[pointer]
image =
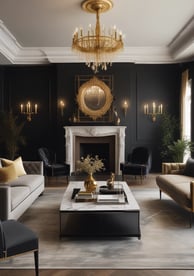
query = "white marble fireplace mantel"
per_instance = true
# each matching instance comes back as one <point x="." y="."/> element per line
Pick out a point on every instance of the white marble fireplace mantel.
<point x="95" y="131"/>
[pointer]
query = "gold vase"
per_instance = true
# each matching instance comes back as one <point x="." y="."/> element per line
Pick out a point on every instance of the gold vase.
<point x="90" y="183"/>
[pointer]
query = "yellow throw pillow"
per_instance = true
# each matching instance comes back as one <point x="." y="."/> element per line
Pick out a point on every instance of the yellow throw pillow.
<point x="8" y="173"/>
<point x="17" y="163"/>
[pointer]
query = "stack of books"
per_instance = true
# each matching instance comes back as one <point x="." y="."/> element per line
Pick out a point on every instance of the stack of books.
<point x="111" y="198"/>
<point x="82" y="196"/>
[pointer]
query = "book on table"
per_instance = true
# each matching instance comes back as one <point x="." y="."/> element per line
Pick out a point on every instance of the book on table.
<point x="111" y="198"/>
<point x="84" y="196"/>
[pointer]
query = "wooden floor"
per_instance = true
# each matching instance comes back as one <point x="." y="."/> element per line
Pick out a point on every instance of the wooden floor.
<point x="148" y="182"/>
<point x="99" y="272"/>
<point x="61" y="181"/>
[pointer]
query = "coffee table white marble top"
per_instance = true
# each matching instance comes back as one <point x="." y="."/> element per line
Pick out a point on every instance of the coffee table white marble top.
<point x="69" y="205"/>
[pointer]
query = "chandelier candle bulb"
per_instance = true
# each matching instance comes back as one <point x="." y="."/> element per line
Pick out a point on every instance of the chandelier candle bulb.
<point x="81" y="32"/>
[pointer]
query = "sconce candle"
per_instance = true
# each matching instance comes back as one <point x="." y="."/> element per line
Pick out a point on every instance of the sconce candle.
<point x="125" y="107"/>
<point x="36" y="108"/>
<point x="160" y="109"/>
<point x="154" y="108"/>
<point x="62" y="105"/>
<point x="146" y="110"/>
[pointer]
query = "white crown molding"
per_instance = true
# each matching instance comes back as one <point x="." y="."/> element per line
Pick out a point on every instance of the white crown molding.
<point x="30" y="55"/>
<point x="182" y="45"/>
<point x="130" y="54"/>
<point x="180" y="49"/>
<point x="17" y="54"/>
<point x="8" y="44"/>
<point x="146" y="55"/>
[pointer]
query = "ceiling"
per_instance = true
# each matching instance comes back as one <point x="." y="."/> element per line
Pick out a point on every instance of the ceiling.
<point x="40" y="31"/>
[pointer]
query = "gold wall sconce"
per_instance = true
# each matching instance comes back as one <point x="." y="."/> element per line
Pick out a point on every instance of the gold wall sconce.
<point x="29" y="110"/>
<point x="62" y="107"/>
<point x="153" y="111"/>
<point x="125" y="107"/>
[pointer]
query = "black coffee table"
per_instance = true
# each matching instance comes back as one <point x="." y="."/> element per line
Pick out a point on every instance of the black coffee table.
<point x="99" y="219"/>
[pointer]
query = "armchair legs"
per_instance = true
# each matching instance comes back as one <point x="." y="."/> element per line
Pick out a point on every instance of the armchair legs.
<point x="36" y="262"/>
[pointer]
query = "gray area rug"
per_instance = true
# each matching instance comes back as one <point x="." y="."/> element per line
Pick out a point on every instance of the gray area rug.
<point x="167" y="242"/>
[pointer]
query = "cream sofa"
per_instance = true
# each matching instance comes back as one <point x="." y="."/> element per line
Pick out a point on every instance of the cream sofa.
<point x="177" y="181"/>
<point x="17" y="195"/>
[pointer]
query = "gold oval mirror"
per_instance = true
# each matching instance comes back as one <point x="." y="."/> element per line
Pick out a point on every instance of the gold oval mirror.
<point x="94" y="98"/>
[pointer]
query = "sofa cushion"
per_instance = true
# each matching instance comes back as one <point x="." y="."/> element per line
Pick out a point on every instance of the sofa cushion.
<point x="8" y="174"/>
<point x="18" y="194"/>
<point x="189" y="167"/>
<point x="17" y="163"/>
<point x="32" y="181"/>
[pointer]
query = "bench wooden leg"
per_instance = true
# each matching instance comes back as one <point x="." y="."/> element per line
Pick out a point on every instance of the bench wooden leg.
<point x="160" y="194"/>
<point x="191" y="219"/>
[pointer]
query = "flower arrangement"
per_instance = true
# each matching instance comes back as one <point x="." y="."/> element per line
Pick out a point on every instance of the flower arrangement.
<point x="90" y="164"/>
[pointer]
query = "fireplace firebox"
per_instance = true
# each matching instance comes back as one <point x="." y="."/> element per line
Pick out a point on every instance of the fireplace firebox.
<point x="104" y="147"/>
<point x="108" y="142"/>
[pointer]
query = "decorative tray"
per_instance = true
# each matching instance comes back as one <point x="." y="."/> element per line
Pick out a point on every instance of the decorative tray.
<point x="111" y="198"/>
<point x="106" y="190"/>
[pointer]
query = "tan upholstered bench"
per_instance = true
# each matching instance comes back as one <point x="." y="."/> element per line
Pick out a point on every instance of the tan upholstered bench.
<point x="177" y="182"/>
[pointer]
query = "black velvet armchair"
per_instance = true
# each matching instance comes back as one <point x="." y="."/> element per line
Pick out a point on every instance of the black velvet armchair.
<point x="139" y="163"/>
<point x="15" y="239"/>
<point x="51" y="166"/>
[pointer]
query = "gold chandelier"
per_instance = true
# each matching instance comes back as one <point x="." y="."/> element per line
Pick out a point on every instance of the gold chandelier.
<point x="96" y="47"/>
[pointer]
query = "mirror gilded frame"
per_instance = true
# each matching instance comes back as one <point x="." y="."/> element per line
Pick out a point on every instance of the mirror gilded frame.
<point x="94" y="98"/>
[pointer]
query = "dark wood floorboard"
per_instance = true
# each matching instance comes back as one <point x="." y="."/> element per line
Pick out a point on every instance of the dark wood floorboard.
<point x="99" y="272"/>
<point x="147" y="182"/>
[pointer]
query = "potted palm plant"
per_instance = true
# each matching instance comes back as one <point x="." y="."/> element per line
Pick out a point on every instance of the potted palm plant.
<point x="169" y="132"/>
<point x="11" y="134"/>
<point x="179" y="148"/>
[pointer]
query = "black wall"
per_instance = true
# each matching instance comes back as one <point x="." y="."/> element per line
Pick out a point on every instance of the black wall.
<point x="46" y="84"/>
